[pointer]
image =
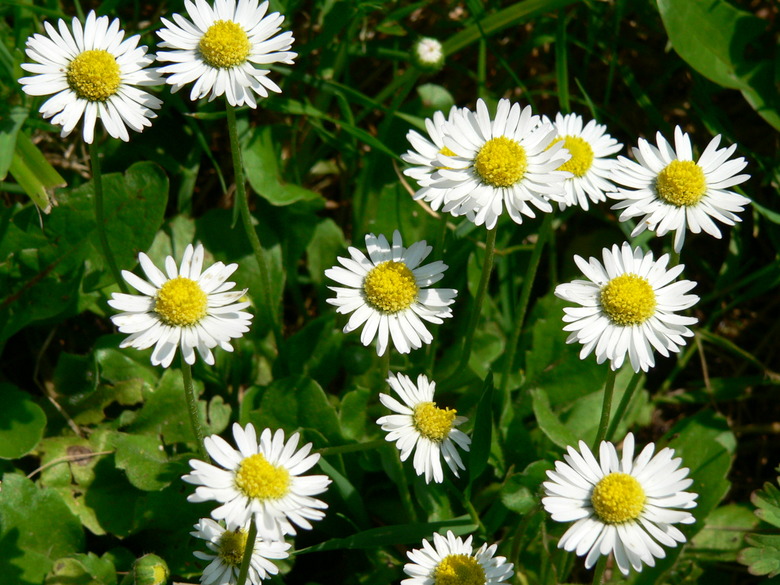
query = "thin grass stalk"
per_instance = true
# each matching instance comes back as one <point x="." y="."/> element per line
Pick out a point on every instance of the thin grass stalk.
<point x="97" y="182"/>
<point x="249" y="228"/>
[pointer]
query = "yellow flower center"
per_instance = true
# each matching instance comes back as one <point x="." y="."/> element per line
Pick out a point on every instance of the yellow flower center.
<point x="390" y="287"/>
<point x="224" y="45"/>
<point x="94" y="75"/>
<point x="581" y="155"/>
<point x="433" y="423"/>
<point x="260" y="480"/>
<point x="459" y="570"/>
<point x="231" y="547"/>
<point x="501" y="162"/>
<point x="617" y="498"/>
<point x="181" y="302"/>
<point x="681" y="183"/>
<point x="628" y="299"/>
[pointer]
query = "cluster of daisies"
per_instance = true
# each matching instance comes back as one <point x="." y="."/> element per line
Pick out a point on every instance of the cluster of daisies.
<point x="92" y="71"/>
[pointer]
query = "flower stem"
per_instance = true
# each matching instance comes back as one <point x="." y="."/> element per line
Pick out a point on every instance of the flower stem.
<point x="525" y="294"/>
<point x="598" y="573"/>
<point x="249" y="228"/>
<point x="606" y="407"/>
<point x="353" y="448"/>
<point x="192" y="408"/>
<point x="97" y="182"/>
<point x="623" y="406"/>
<point x="487" y="267"/>
<point x="250" y="546"/>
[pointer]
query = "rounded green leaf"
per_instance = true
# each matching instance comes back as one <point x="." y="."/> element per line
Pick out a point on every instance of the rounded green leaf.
<point x="21" y="422"/>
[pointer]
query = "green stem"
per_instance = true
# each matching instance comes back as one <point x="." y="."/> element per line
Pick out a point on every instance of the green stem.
<point x="249" y="228"/>
<point x="487" y="267"/>
<point x="623" y="406"/>
<point x="474" y="515"/>
<point x="192" y="408"/>
<point x="341" y="449"/>
<point x="525" y="294"/>
<point x="250" y="546"/>
<point x="97" y="182"/>
<point x="606" y="407"/>
<point x="598" y="573"/>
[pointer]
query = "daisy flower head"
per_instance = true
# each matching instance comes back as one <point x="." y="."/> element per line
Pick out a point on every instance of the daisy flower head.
<point x="261" y="481"/>
<point x="590" y="164"/>
<point x="628" y="305"/>
<point x="387" y="293"/>
<point x="453" y="561"/>
<point x="226" y="551"/>
<point x="224" y="49"/>
<point x="428" y="54"/>
<point x="91" y="72"/>
<point x="425" y="157"/>
<point x="508" y="161"/>
<point x="627" y="506"/>
<point x="183" y="307"/>
<point x="420" y="426"/>
<point x="672" y="192"/>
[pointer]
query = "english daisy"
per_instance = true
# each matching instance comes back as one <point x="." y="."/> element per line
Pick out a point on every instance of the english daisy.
<point x="590" y="164"/>
<point x="508" y="161"/>
<point x="451" y="560"/>
<point x="425" y="157"/>
<point x="624" y="506"/>
<point x="628" y="306"/>
<point x="182" y="307"/>
<point x="91" y="73"/>
<point x="226" y="548"/>
<point x="387" y="293"/>
<point x="422" y="427"/>
<point x="672" y="192"/>
<point x="224" y="49"/>
<point x="428" y="54"/>
<point x="260" y="481"/>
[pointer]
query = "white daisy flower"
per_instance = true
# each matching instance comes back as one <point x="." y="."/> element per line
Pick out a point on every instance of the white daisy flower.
<point x="671" y="192"/>
<point x="261" y="481"/>
<point x="428" y="54"/>
<point x="425" y="157"/>
<point x="181" y="307"/>
<point x="451" y="560"/>
<point x="628" y="306"/>
<point x="422" y="427"/>
<point x="624" y="506"/>
<point x="224" y="50"/>
<point x="590" y="163"/>
<point x="508" y="161"/>
<point x="227" y="551"/>
<point x="387" y="293"/>
<point x="91" y="73"/>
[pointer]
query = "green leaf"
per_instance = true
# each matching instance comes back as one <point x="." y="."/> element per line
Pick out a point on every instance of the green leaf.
<point x="315" y="349"/>
<point x="143" y="459"/>
<point x="326" y="243"/>
<point x="520" y="493"/>
<point x="21" y="422"/>
<point x="34" y="173"/>
<point x="481" y="436"/>
<point x="434" y="98"/>
<point x="548" y="422"/>
<point x="86" y="569"/>
<point x="11" y="120"/>
<point x="723" y="532"/>
<point x="353" y="415"/>
<point x="296" y="403"/>
<point x="763" y="556"/>
<point x="767" y="502"/>
<point x="261" y="155"/>
<point x="36" y="528"/>
<point x="351" y="496"/>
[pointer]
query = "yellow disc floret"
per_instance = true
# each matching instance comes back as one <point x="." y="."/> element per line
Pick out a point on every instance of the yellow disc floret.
<point x="459" y="570"/>
<point x="231" y="547"/>
<point x="581" y="155"/>
<point x="260" y="480"/>
<point x="224" y="45"/>
<point x="628" y="299"/>
<point x="501" y="162"/>
<point x="682" y="182"/>
<point x="390" y="287"/>
<point x="433" y="423"/>
<point x="181" y="302"/>
<point x="618" y="498"/>
<point x="94" y="75"/>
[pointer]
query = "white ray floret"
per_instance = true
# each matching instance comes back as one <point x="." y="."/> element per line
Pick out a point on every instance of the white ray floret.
<point x="624" y="505"/>
<point x="185" y="307"/>
<point x="91" y="72"/>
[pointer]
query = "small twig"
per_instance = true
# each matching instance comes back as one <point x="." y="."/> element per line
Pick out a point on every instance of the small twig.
<point x="67" y="459"/>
